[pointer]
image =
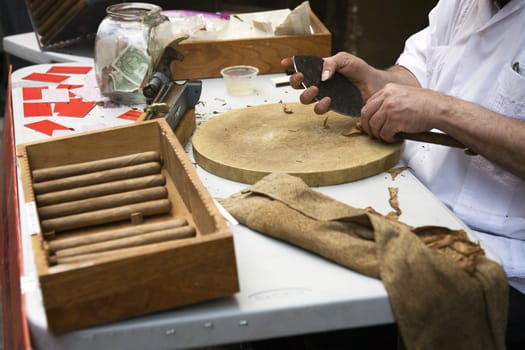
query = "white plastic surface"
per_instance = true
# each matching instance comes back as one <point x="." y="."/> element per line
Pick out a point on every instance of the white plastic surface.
<point x="26" y="46"/>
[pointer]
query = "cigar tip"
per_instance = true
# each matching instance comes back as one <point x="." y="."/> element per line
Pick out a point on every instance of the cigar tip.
<point x="52" y="260"/>
<point x="48" y="234"/>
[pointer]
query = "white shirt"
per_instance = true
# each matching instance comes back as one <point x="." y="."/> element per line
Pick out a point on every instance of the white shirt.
<point x="468" y="51"/>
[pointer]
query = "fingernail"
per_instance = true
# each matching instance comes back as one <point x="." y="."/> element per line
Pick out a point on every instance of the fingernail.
<point x="325" y="75"/>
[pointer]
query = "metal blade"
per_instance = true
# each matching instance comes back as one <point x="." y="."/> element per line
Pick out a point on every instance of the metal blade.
<point x="346" y="97"/>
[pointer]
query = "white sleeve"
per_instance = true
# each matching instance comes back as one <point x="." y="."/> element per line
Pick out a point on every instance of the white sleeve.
<point x="509" y="251"/>
<point x="414" y="57"/>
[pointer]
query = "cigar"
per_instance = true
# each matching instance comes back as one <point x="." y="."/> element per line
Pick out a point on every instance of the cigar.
<point x="102" y="202"/>
<point x="62" y="171"/>
<point x="97" y="178"/>
<point x="127" y="242"/>
<point x="104" y="216"/>
<point x="100" y="189"/>
<point x="76" y="241"/>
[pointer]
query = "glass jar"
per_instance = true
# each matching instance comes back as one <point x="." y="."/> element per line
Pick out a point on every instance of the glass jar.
<point x="129" y="41"/>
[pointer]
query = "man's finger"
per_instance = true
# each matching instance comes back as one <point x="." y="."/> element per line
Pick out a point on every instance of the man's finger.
<point x="296" y="80"/>
<point x="323" y="105"/>
<point x="308" y="96"/>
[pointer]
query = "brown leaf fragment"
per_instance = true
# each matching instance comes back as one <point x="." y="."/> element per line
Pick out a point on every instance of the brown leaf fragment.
<point x="287" y="109"/>
<point x="394" y="203"/>
<point x="396" y="171"/>
<point x="355" y="130"/>
<point x="455" y="245"/>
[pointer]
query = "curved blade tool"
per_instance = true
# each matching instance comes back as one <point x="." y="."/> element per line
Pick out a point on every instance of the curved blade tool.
<point x="346" y="97"/>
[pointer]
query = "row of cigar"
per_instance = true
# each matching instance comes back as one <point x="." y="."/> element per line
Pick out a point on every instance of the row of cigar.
<point x="50" y="15"/>
<point x="117" y="242"/>
<point x="82" y="195"/>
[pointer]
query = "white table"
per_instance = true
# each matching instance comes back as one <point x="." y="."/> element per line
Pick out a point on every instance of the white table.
<point x="26" y="46"/>
<point x="283" y="290"/>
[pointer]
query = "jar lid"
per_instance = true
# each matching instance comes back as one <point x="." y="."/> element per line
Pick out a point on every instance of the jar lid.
<point x="133" y="11"/>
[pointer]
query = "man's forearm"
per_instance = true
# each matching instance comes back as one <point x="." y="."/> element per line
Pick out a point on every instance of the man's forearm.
<point x="400" y="75"/>
<point x="496" y="137"/>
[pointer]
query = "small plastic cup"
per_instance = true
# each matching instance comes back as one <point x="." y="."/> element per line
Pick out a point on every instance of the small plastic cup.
<point x="240" y="80"/>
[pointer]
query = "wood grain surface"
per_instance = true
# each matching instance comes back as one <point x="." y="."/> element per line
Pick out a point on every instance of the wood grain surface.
<point x="246" y="144"/>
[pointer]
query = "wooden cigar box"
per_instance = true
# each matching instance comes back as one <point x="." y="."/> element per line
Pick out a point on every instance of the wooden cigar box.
<point x="205" y="59"/>
<point x="66" y="25"/>
<point x="128" y="280"/>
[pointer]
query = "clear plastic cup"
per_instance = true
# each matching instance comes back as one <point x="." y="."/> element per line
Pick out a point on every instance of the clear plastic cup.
<point x="240" y="80"/>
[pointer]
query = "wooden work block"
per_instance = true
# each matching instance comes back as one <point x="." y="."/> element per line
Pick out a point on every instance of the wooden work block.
<point x="290" y="138"/>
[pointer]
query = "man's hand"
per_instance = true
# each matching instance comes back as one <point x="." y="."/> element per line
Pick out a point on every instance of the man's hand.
<point x="309" y="94"/>
<point x="400" y="108"/>
<point x="395" y="102"/>
<point x="367" y="79"/>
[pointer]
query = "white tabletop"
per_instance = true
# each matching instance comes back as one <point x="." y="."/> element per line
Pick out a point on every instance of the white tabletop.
<point x="284" y="290"/>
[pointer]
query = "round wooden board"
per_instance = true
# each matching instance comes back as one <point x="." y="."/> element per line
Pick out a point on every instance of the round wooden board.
<point x="246" y="144"/>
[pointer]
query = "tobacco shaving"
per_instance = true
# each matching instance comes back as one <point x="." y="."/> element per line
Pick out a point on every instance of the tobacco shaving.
<point x="238" y="18"/>
<point x="325" y="123"/>
<point x="394" y="203"/>
<point x="355" y="130"/>
<point x="287" y="109"/>
<point x="454" y="244"/>
<point x="396" y="171"/>
<point x="201" y="27"/>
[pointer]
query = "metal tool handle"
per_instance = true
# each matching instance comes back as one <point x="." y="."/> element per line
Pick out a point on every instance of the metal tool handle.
<point x="432" y="137"/>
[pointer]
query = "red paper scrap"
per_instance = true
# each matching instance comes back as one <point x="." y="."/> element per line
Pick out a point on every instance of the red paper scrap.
<point x="32" y="93"/>
<point x="47" y="127"/>
<point x="37" y="109"/>
<point x="69" y="69"/>
<point x="74" y="108"/>
<point x="132" y="114"/>
<point x="69" y="86"/>
<point x="51" y="78"/>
